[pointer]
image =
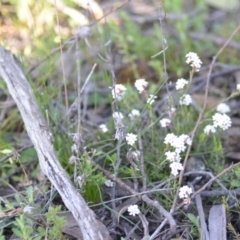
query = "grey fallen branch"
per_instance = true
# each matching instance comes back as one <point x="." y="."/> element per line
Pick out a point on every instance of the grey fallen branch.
<point x="41" y="137"/>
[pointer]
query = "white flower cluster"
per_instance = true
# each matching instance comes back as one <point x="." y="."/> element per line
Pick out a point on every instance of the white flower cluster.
<point x="221" y="120"/>
<point x="194" y="61"/>
<point x="141" y="85"/>
<point x="134" y="114"/>
<point x="28" y="209"/>
<point x="131" y="139"/>
<point x="103" y="128"/>
<point x="179" y="144"/>
<point x="133" y="210"/>
<point x="180" y="84"/>
<point x="165" y="122"/>
<point x="185" y="192"/>
<point x="209" y="129"/>
<point x="223" y="108"/>
<point x="118" y="92"/>
<point x="185" y="99"/>
<point x="109" y="183"/>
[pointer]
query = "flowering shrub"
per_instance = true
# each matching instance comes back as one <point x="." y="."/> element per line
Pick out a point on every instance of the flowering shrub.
<point x="147" y="151"/>
<point x="133" y="210"/>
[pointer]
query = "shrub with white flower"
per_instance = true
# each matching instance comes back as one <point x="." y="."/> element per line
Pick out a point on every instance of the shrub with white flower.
<point x="134" y="114"/>
<point x="221" y="120"/>
<point x="185" y="192"/>
<point x="118" y="92"/>
<point x="28" y="209"/>
<point x="133" y="210"/>
<point x="181" y="83"/>
<point x="223" y="108"/>
<point x="186" y="139"/>
<point x="173" y="156"/>
<point x="151" y="99"/>
<point x="109" y="183"/>
<point x="103" y="128"/>
<point x="194" y="61"/>
<point x="179" y="144"/>
<point x="209" y="129"/>
<point x="175" y="168"/>
<point x="169" y="139"/>
<point x="141" y="85"/>
<point x="185" y="99"/>
<point x="131" y="139"/>
<point x="165" y="122"/>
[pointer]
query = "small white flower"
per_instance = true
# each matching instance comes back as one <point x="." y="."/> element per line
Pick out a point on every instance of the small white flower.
<point x="118" y="116"/>
<point x="209" y="129"/>
<point x="141" y="85"/>
<point x="131" y="138"/>
<point x="238" y="87"/>
<point x="186" y="139"/>
<point x="223" y="108"/>
<point x="118" y="92"/>
<point x="185" y="100"/>
<point x="178" y="142"/>
<point x="194" y="61"/>
<point x="175" y="167"/>
<point x="151" y="99"/>
<point x="134" y="114"/>
<point x="185" y="192"/>
<point x="133" y="210"/>
<point x="173" y="156"/>
<point x="109" y="183"/>
<point x="180" y="84"/>
<point x="221" y="120"/>
<point x="170" y="138"/>
<point x="179" y="145"/>
<point x="103" y="128"/>
<point x="28" y="209"/>
<point x="165" y="122"/>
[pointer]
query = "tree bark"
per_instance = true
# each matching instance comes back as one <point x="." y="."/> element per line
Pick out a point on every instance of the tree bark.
<point x="41" y="137"/>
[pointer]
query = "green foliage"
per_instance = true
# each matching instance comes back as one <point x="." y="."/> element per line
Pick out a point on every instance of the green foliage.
<point x="134" y="46"/>
<point x="2" y="237"/>
<point x="93" y="180"/>
<point x="24" y="227"/>
<point x="195" y="230"/>
<point x="56" y="223"/>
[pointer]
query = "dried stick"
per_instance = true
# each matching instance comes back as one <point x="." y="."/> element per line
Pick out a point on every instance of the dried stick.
<point x="41" y="138"/>
<point x="198" y="200"/>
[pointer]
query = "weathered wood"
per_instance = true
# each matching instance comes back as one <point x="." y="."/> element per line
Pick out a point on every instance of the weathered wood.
<point x="217" y="222"/>
<point x="41" y="137"/>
